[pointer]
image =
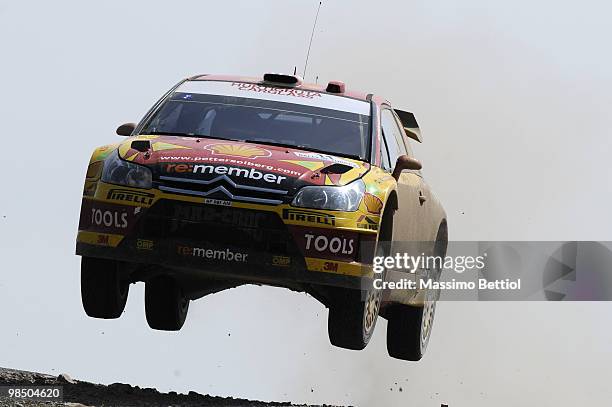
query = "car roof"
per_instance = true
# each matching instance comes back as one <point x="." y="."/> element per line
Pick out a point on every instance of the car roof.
<point x="353" y="94"/>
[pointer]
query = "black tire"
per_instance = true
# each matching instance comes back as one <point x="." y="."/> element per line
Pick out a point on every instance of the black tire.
<point x="407" y="337"/>
<point x="353" y="313"/>
<point x="165" y="305"/>
<point x="103" y="292"/>
<point x="349" y="325"/>
<point x="409" y="327"/>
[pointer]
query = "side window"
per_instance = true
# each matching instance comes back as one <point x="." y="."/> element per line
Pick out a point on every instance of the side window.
<point x="384" y="155"/>
<point x="402" y="139"/>
<point x="408" y="149"/>
<point x="392" y="135"/>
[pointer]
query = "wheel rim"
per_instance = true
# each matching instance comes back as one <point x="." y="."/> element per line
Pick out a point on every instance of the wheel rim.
<point x="429" y="310"/>
<point x="373" y="299"/>
<point x="371" y="306"/>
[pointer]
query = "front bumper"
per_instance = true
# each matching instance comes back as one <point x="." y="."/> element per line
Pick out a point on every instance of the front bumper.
<point x="246" y="242"/>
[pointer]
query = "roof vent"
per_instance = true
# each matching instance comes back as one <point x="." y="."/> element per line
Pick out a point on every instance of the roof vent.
<point x="282" y="79"/>
<point x="335" y="87"/>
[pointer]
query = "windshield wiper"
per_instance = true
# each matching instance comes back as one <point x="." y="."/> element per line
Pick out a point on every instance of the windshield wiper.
<point x="268" y="143"/>
<point x="302" y="147"/>
<point x="171" y="133"/>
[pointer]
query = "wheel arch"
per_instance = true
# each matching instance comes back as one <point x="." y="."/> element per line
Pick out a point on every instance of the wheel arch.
<point x="441" y="243"/>
<point x="385" y="230"/>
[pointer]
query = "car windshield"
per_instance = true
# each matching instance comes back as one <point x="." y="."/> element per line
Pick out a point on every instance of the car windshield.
<point x="290" y="117"/>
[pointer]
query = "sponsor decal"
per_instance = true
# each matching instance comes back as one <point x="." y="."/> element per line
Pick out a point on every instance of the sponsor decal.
<point x="220" y="202"/>
<point x="105" y="217"/>
<point x="128" y="195"/>
<point x="326" y="243"/>
<point x="333" y="245"/>
<point x="367" y="223"/>
<point x="225" y="170"/>
<point x="114" y="219"/>
<point x="211" y="214"/>
<point x="144" y="244"/>
<point x="330" y="266"/>
<point x="299" y="93"/>
<point x="263" y="165"/>
<point x="238" y="150"/>
<point x="300" y="215"/>
<point x="213" y="254"/>
<point x="373" y="203"/>
<point x="99" y="239"/>
<point x="282" y="261"/>
<point x="350" y="269"/>
<point x="103" y="240"/>
<point x="326" y="157"/>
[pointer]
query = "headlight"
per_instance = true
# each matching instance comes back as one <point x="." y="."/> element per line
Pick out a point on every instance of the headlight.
<point x="344" y="198"/>
<point x="121" y="172"/>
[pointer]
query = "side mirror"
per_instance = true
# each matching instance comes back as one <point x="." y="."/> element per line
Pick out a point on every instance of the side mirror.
<point x="126" y="129"/>
<point x="405" y="163"/>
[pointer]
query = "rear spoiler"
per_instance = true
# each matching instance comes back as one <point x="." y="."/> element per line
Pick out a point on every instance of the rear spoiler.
<point x="410" y="125"/>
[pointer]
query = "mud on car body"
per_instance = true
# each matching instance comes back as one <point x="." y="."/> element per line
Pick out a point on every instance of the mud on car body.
<point x="229" y="181"/>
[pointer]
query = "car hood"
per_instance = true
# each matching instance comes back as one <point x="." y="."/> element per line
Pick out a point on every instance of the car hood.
<point x="206" y="161"/>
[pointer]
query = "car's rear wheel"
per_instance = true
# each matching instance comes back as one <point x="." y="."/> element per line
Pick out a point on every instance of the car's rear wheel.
<point x="166" y="306"/>
<point x="104" y="292"/>
<point x="409" y="330"/>
<point x="409" y="327"/>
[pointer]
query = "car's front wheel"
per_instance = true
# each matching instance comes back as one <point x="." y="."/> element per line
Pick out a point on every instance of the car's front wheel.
<point x="103" y="290"/>
<point x="352" y="317"/>
<point x="165" y="304"/>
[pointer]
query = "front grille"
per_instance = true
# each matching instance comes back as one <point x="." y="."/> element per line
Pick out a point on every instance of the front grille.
<point x="221" y="226"/>
<point x="221" y="187"/>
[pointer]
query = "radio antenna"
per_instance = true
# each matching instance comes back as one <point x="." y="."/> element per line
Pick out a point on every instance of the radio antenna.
<point x="311" y="37"/>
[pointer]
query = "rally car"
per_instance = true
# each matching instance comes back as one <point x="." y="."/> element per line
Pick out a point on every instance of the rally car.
<point x="231" y="180"/>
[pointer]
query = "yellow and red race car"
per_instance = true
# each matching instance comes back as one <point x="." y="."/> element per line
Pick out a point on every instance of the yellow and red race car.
<point x="231" y="180"/>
